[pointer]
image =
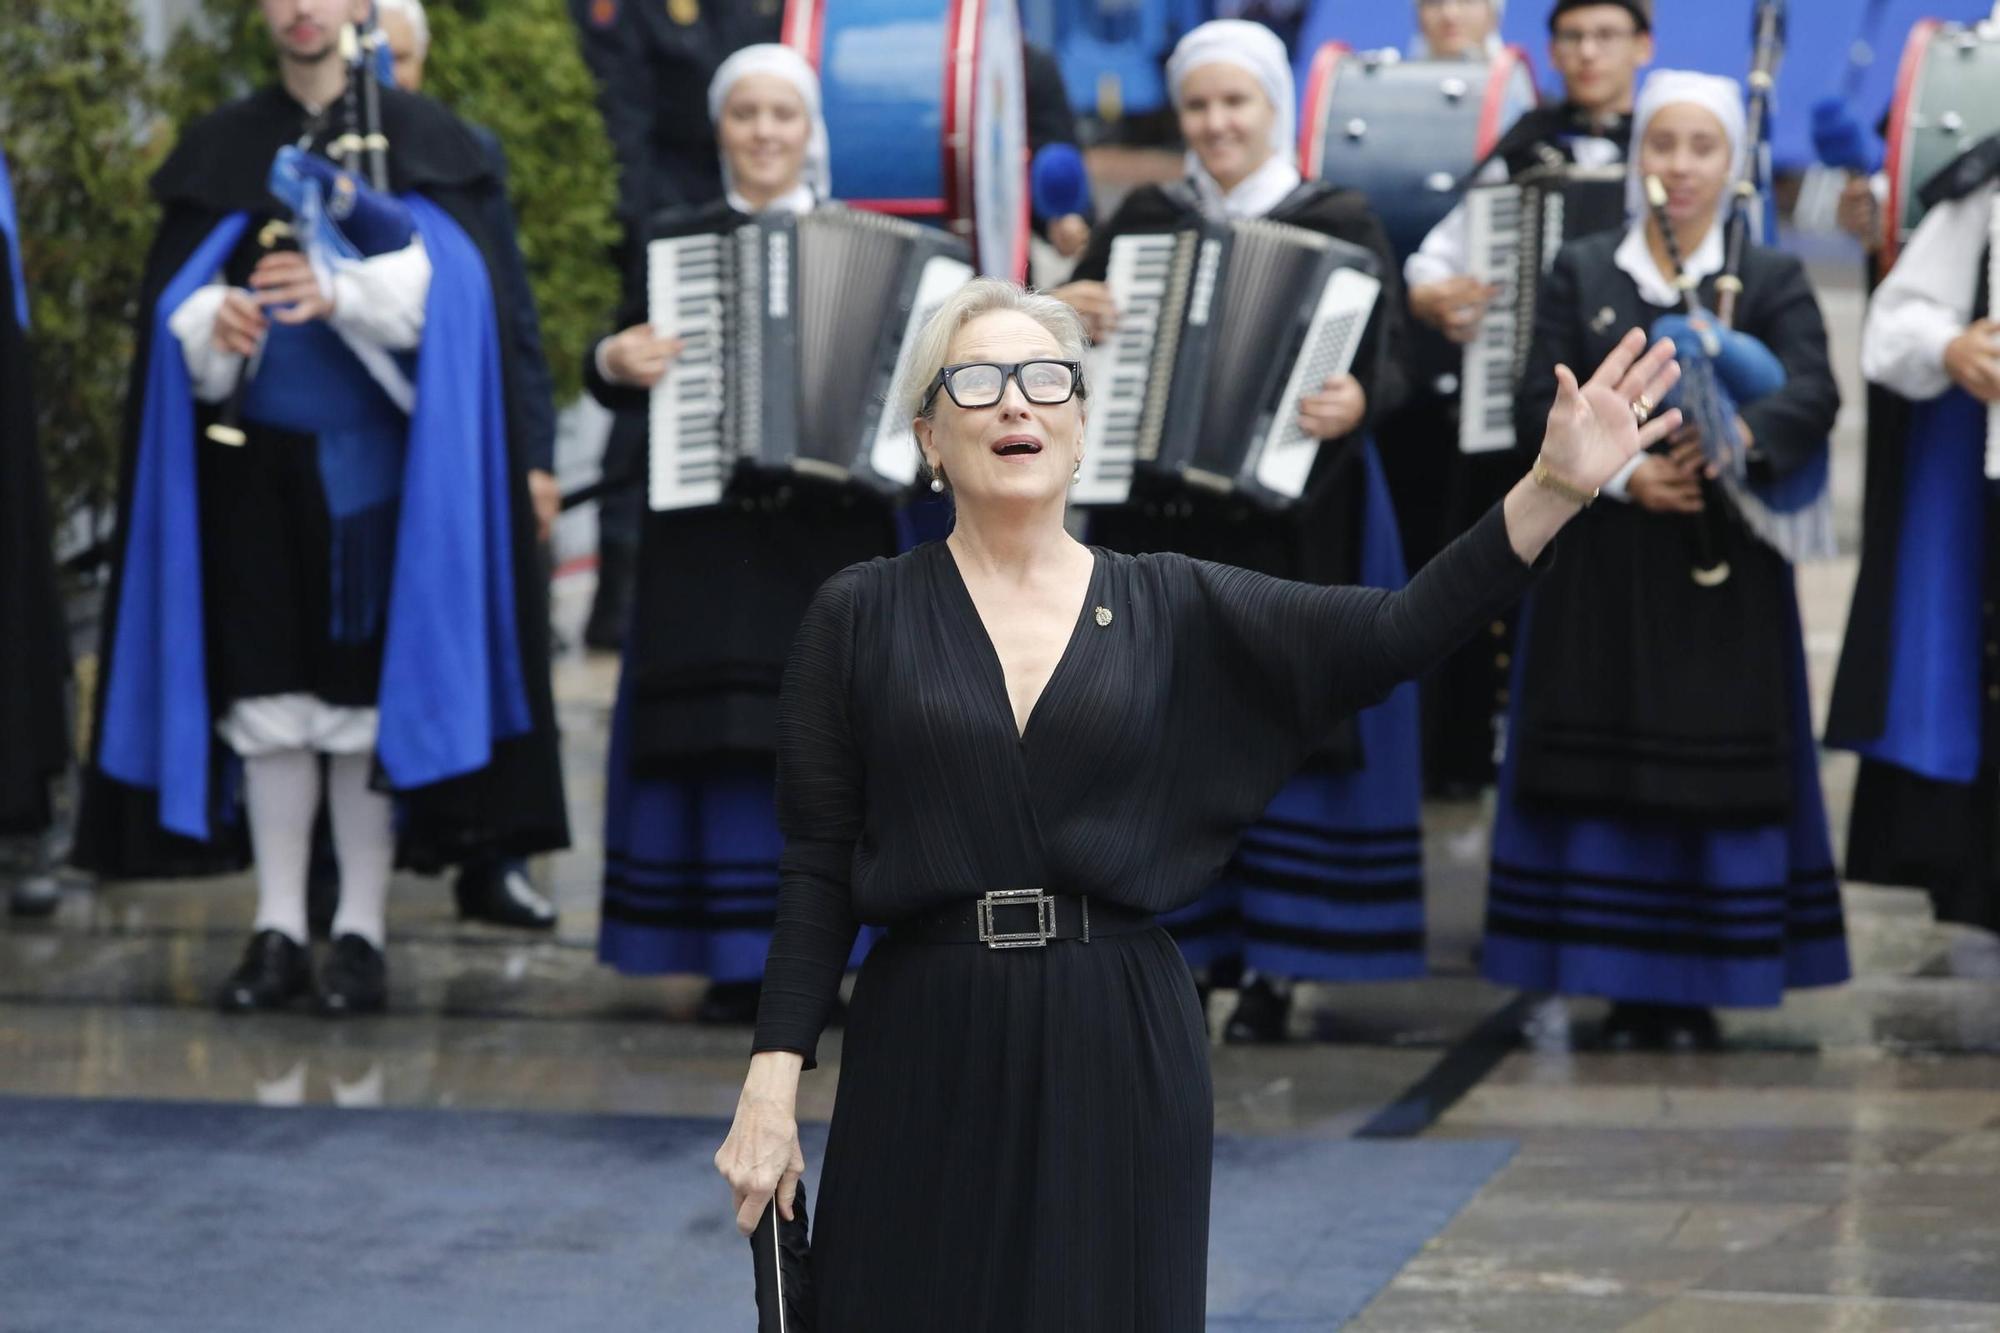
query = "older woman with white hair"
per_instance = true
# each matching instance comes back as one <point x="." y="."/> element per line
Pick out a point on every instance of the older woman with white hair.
<point x="1329" y="888"/>
<point x="1661" y="840"/>
<point x="1014" y="751"/>
<point x="691" y="839"/>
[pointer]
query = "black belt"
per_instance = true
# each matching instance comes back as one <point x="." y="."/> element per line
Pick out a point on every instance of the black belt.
<point x="1022" y="919"/>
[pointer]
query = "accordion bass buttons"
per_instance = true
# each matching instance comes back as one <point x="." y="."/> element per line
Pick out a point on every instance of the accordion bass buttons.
<point x="1454" y="89"/>
<point x="1356" y="128"/>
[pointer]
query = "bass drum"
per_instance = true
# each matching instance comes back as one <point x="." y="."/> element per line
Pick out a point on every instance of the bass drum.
<point x="1407" y="133"/>
<point x="926" y="114"/>
<point x="1947" y="99"/>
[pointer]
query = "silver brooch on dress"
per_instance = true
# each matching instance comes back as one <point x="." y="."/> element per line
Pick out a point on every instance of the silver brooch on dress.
<point x="1103" y="616"/>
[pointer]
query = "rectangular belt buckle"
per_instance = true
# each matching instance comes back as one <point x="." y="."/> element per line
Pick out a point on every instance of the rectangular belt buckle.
<point x="1045" y="919"/>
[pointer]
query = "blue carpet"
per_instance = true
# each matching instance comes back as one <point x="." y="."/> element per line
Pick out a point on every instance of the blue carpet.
<point x="119" y="1216"/>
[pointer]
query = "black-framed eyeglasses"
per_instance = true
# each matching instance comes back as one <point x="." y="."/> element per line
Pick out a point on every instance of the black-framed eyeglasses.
<point x="1604" y="39"/>
<point x="981" y="383"/>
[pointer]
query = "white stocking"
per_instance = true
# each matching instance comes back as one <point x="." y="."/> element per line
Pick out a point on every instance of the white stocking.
<point x="364" y="841"/>
<point x="281" y="793"/>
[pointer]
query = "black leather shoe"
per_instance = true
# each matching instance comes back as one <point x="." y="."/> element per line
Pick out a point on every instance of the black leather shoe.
<point x="501" y="894"/>
<point x="355" y="979"/>
<point x="276" y="969"/>
<point x="1262" y="1012"/>
<point x="728" y="1004"/>
<point x="1689" y="1028"/>
<point x="35" y="896"/>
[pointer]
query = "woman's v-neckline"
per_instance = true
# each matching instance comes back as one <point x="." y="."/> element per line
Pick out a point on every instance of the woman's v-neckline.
<point x="1021" y="727"/>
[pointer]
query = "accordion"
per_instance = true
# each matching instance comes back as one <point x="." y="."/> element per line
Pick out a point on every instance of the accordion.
<point x="794" y="328"/>
<point x="1222" y="328"/>
<point x="1514" y="232"/>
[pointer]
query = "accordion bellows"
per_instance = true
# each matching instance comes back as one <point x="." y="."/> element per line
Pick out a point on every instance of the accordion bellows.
<point x="794" y="328"/>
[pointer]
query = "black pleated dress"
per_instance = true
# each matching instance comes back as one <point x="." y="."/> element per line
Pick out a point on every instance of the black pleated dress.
<point x="1021" y="1139"/>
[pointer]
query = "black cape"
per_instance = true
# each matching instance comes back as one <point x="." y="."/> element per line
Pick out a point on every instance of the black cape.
<point x="1642" y="691"/>
<point x="515" y="805"/>
<point x="721" y="590"/>
<point x="34" y="649"/>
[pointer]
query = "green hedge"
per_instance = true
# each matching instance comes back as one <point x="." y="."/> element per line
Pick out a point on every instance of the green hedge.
<point x="78" y="121"/>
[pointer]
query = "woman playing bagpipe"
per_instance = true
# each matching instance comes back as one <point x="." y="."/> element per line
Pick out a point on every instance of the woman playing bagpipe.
<point x="1661" y="840"/>
<point x="325" y="571"/>
<point x="691" y="841"/>
<point x="1918" y="691"/>
<point x="1330" y="886"/>
<point x="34" y="647"/>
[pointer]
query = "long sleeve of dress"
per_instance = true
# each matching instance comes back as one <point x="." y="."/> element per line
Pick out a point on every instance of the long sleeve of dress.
<point x="820" y="815"/>
<point x="1283" y="662"/>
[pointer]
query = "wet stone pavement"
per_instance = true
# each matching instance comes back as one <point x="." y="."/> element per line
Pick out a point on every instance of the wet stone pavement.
<point x="1836" y="1168"/>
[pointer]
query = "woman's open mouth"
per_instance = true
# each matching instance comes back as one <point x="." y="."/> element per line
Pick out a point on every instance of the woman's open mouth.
<point x="1017" y="446"/>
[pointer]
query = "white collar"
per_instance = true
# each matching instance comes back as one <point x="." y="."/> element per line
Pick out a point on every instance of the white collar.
<point x="1254" y="196"/>
<point x="1635" y="259"/>
<point x="799" y="199"/>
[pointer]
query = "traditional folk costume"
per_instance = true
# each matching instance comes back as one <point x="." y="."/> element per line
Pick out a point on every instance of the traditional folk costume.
<point x="1918" y="691"/>
<point x="354" y="586"/>
<point x="1661" y="838"/>
<point x="1328" y="885"/>
<point x="34" y="646"/>
<point x="691" y="839"/>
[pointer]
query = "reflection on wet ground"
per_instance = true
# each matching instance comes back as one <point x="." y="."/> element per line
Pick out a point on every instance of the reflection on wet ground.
<point x="1830" y="1171"/>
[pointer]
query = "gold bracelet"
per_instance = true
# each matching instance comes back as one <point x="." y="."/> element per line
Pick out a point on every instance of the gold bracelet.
<point x="1549" y="481"/>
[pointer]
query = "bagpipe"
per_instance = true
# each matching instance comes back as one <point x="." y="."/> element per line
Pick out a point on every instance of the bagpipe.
<point x="332" y="214"/>
<point x="1723" y="369"/>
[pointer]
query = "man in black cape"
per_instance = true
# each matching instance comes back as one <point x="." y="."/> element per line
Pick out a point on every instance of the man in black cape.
<point x="349" y="597"/>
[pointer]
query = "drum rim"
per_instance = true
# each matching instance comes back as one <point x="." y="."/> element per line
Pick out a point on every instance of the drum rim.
<point x="965" y="22"/>
<point x="1499" y="72"/>
<point x="1324" y="75"/>
<point x="962" y="30"/>
<point x="1320" y="77"/>
<point x="1908" y="74"/>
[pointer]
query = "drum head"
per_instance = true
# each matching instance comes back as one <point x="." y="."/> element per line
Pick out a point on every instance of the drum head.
<point x="986" y="135"/>
<point x="1407" y="132"/>
<point x="1947" y="99"/>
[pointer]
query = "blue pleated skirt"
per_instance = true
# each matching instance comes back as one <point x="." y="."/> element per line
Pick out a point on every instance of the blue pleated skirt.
<point x="1329" y="884"/>
<point x="1667" y="912"/>
<point x="690" y="866"/>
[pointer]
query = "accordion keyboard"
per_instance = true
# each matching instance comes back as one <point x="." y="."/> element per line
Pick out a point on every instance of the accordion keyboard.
<point x="1497" y="221"/>
<point x="1141" y="265"/>
<point x="1332" y="339"/>
<point x="685" y="292"/>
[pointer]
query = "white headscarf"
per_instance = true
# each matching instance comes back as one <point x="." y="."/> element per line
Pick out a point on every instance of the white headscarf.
<point x="770" y="58"/>
<point x="1248" y="46"/>
<point x="1670" y="87"/>
<point x="1494" y="45"/>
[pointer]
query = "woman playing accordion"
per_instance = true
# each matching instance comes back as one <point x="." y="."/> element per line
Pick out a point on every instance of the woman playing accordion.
<point x="691" y="842"/>
<point x="1661" y="840"/>
<point x="1330" y="885"/>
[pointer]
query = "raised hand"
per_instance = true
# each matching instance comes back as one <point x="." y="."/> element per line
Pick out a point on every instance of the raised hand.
<point x="1596" y="427"/>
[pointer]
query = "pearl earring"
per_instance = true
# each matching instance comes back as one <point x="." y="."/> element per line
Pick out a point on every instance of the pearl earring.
<point x="1077" y="475"/>
<point x="937" y="485"/>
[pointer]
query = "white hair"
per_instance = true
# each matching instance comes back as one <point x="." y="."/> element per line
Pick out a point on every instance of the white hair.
<point x="981" y="296"/>
<point x="413" y="10"/>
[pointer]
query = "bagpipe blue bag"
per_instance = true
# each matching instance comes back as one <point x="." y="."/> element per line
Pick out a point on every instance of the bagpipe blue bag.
<point x="1722" y="370"/>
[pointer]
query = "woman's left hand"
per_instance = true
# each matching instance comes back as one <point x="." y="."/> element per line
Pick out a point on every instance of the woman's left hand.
<point x="1335" y="410"/>
<point x="1595" y="426"/>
